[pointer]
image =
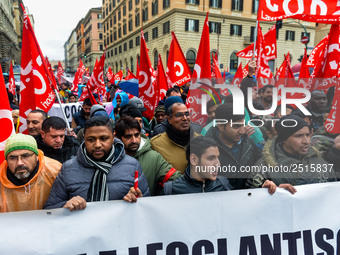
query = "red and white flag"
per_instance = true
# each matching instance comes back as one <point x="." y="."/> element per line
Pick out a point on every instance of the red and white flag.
<point x="216" y="73"/>
<point x="178" y="71"/>
<point x="36" y="81"/>
<point x="96" y="81"/>
<point x="160" y="83"/>
<point x="60" y="72"/>
<point x="238" y="76"/>
<point x="130" y="76"/>
<point x="78" y="76"/>
<point x="6" y="121"/>
<point x="269" y="46"/>
<point x="11" y="81"/>
<point x="322" y="11"/>
<point x="315" y="55"/>
<point x="332" y="123"/>
<point x="246" y="70"/>
<point x="110" y="75"/>
<point x="118" y="76"/>
<point x="146" y="80"/>
<point x="304" y="72"/>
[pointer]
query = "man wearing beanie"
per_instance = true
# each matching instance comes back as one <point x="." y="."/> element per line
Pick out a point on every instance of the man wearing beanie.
<point x="26" y="176"/>
<point x="134" y="112"/>
<point x="289" y="160"/>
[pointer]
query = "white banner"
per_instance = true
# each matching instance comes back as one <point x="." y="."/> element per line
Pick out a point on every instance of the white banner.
<point x="234" y="222"/>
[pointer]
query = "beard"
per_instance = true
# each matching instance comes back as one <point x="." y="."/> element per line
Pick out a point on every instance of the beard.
<point x="22" y="175"/>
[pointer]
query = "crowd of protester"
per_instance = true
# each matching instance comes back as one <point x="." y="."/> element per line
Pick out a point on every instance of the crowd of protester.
<point x="97" y="159"/>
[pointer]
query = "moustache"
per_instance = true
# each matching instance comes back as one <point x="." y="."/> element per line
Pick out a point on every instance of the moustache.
<point x="21" y="168"/>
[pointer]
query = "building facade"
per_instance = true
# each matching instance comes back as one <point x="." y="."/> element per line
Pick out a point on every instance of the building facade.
<point x="71" y="53"/>
<point x="232" y="26"/>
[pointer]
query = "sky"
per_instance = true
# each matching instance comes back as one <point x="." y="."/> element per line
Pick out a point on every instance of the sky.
<point x="55" y="20"/>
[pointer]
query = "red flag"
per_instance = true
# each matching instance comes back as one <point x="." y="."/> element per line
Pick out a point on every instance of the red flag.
<point x="130" y="76"/>
<point x="202" y="65"/>
<point x="50" y="70"/>
<point x="304" y="72"/>
<point x="78" y="76"/>
<point x="285" y="74"/>
<point x="315" y="55"/>
<point x="332" y="124"/>
<point x="96" y="81"/>
<point x="118" y="76"/>
<point x="36" y="82"/>
<point x="6" y="121"/>
<point x="269" y="46"/>
<point x="178" y="71"/>
<point x="90" y="95"/>
<point x="11" y="87"/>
<point x="245" y="70"/>
<point x="160" y="84"/>
<point x="60" y="72"/>
<point x="238" y="76"/>
<point x="325" y="11"/>
<point x="216" y="71"/>
<point x="146" y="79"/>
<point x="110" y="75"/>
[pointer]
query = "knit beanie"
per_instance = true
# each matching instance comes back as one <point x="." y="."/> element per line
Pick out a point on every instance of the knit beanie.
<point x="96" y="108"/>
<point x="170" y="101"/>
<point x="288" y="125"/>
<point x="130" y="110"/>
<point x="21" y="142"/>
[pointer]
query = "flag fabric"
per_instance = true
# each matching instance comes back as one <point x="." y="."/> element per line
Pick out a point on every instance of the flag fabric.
<point x="60" y="72"/>
<point x="315" y="55"/>
<point x="238" y="76"/>
<point x="160" y="84"/>
<point x="245" y="70"/>
<point x="96" y="81"/>
<point x="90" y="95"/>
<point x="11" y="81"/>
<point x="269" y="46"/>
<point x="146" y="80"/>
<point x="6" y="121"/>
<point x="78" y="76"/>
<point x="118" y="76"/>
<point x="332" y="123"/>
<point x="325" y="11"/>
<point x="216" y="73"/>
<point x="110" y="75"/>
<point x="36" y="82"/>
<point x="130" y="75"/>
<point x="50" y="70"/>
<point x="178" y="71"/>
<point x="304" y="72"/>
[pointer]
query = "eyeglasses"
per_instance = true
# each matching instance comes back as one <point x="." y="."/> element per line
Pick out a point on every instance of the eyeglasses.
<point x="24" y="157"/>
<point x="181" y="114"/>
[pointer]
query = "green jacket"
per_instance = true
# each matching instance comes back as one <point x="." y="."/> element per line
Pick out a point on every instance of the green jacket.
<point x="280" y="167"/>
<point x="154" y="166"/>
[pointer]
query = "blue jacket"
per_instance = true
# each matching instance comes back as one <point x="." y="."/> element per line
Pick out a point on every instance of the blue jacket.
<point x="75" y="177"/>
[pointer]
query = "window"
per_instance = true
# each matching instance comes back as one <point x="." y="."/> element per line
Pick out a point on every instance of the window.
<point x="192" y="1"/>
<point x="154" y="32"/>
<point x="124" y="29"/>
<point x="107" y="26"/>
<point x="137" y="41"/>
<point x="130" y="5"/>
<point x="191" y="58"/>
<point x="130" y="25"/>
<point x="111" y="53"/>
<point x="235" y="29"/>
<point x="166" y="27"/>
<point x="252" y="34"/>
<point x="117" y="68"/>
<point x="145" y="14"/>
<point x="100" y="36"/>
<point x="154" y="7"/>
<point x="136" y="2"/>
<point x="110" y="22"/>
<point x="101" y="47"/>
<point x="119" y="15"/>
<point x="114" y="19"/>
<point x="99" y="16"/>
<point x="131" y="64"/>
<point x="215" y="3"/>
<point x="233" y="62"/>
<point x="119" y="32"/>
<point x="116" y="52"/>
<point x="125" y="46"/>
<point x="111" y="38"/>
<point x="114" y="3"/>
<point x="155" y="59"/>
<point x="124" y="10"/>
<point x="255" y="6"/>
<point x="130" y="44"/>
<point x="137" y="20"/>
<point x="290" y="35"/>
<point x="100" y="26"/>
<point x="237" y="5"/>
<point x="120" y="49"/>
<point x="110" y="7"/>
<point x="214" y="27"/>
<point x="166" y="4"/>
<point x="191" y="25"/>
<point x="115" y="35"/>
<point x="146" y="36"/>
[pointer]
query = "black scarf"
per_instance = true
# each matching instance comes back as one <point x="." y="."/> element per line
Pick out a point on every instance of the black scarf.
<point x="181" y="139"/>
<point x="98" y="190"/>
<point x="13" y="179"/>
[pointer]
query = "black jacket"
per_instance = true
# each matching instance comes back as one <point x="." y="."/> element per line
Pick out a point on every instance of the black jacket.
<point x="66" y="152"/>
<point x="249" y="154"/>
<point x="185" y="185"/>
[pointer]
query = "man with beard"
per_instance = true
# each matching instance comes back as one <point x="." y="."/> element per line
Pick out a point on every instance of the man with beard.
<point x="101" y="171"/>
<point x="317" y="107"/>
<point x="266" y="96"/>
<point x="172" y="143"/>
<point x="155" y="168"/>
<point x="26" y="176"/>
<point x="289" y="160"/>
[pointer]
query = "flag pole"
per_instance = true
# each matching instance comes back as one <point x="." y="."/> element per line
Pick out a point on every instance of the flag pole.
<point x="45" y="67"/>
<point x="255" y="39"/>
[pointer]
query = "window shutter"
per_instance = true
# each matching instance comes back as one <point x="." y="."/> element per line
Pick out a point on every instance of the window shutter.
<point x="198" y="2"/>
<point x="219" y="28"/>
<point x="219" y="3"/>
<point x="293" y="36"/>
<point x="197" y="25"/>
<point x="186" y="24"/>
<point x="210" y="3"/>
<point x="286" y="35"/>
<point x="233" y="5"/>
<point x="240" y="26"/>
<point x="231" y="29"/>
<point x="241" y="5"/>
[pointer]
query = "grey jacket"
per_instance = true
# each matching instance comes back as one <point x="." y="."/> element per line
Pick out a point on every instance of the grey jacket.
<point x="75" y="177"/>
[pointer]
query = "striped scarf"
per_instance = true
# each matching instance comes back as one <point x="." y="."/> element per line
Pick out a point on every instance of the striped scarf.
<point x="98" y="190"/>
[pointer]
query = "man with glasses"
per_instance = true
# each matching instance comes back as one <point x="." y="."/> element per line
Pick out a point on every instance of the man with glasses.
<point x="26" y="176"/>
<point x="172" y="144"/>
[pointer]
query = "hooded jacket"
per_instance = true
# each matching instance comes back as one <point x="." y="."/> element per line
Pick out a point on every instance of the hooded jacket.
<point x="32" y="195"/>
<point x="66" y="152"/>
<point x="75" y="178"/>
<point x="154" y="166"/>
<point x="186" y="184"/>
<point x="285" y="168"/>
<point x="249" y="154"/>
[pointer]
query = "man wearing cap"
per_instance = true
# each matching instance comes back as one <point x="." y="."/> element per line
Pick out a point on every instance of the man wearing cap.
<point x="133" y="111"/>
<point x="288" y="159"/>
<point x="26" y="176"/>
<point x="159" y="116"/>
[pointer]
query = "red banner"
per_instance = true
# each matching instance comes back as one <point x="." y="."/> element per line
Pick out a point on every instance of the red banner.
<point x="78" y="76"/>
<point x="161" y="85"/>
<point x="60" y="72"/>
<point x="11" y="81"/>
<point x="321" y="11"/>
<point x="110" y="75"/>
